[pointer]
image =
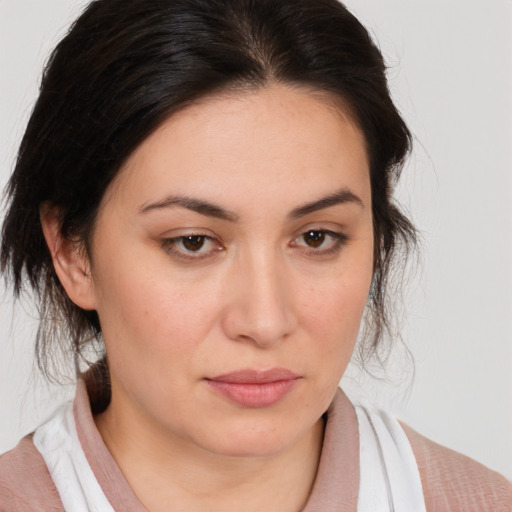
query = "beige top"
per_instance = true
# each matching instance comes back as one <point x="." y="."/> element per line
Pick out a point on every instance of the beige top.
<point x="451" y="482"/>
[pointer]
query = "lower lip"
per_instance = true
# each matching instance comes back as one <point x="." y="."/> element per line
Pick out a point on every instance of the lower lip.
<point x="254" y="395"/>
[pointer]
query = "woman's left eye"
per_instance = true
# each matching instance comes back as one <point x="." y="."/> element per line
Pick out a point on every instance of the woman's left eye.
<point x="191" y="246"/>
<point x="322" y="241"/>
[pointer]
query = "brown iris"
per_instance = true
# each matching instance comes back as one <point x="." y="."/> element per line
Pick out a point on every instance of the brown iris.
<point x="193" y="243"/>
<point x="314" y="238"/>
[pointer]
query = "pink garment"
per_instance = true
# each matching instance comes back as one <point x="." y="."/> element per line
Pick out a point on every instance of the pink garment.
<point x="451" y="482"/>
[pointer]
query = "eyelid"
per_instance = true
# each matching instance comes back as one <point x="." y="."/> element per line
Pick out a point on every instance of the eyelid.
<point x="169" y="242"/>
<point x="336" y="231"/>
<point x="340" y="239"/>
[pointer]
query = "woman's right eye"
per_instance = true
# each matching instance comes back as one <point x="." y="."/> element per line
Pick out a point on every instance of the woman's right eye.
<point x="192" y="246"/>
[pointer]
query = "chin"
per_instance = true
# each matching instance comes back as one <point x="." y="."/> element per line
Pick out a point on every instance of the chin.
<point x="252" y="448"/>
<point x="255" y="439"/>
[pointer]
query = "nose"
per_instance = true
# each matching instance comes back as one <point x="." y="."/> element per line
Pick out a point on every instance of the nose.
<point x="259" y="306"/>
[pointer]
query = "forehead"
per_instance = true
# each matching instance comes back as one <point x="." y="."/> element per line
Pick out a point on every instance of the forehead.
<point x="292" y="140"/>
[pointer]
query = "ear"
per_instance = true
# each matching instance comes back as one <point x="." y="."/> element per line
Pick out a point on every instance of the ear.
<point x="69" y="258"/>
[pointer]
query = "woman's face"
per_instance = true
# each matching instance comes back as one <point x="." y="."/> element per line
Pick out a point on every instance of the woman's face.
<point x="232" y="259"/>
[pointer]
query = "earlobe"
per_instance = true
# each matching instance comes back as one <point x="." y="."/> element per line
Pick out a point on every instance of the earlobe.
<point x="69" y="258"/>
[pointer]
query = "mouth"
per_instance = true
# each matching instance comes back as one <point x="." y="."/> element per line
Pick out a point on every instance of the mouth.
<point x="250" y="388"/>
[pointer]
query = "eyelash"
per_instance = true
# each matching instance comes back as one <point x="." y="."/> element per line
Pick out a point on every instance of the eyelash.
<point x="170" y="243"/>
<point x="338" y="241"/>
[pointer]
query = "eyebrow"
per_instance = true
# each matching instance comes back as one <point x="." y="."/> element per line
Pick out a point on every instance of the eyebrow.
<point x="197" y="205"/>
<point x="212" y="210"/>
<point x="341" y="197"/>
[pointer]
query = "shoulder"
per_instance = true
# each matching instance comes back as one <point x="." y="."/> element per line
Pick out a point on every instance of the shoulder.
<point x="453" y="482"/>
<point x="25" y="483"/>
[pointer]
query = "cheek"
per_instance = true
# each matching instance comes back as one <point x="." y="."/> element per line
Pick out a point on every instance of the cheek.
<point x="337" y="304"/>
<point x="332" y="315"/>
<point x="152" y="314"/>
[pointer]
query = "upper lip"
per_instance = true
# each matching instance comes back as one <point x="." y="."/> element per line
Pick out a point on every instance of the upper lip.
<point x="251" y="376"/>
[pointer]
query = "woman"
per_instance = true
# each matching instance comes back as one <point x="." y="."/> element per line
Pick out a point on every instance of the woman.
<point x="205" y="187"/>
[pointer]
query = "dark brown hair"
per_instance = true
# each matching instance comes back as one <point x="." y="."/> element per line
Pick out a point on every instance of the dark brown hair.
<point x="127" y="65"/>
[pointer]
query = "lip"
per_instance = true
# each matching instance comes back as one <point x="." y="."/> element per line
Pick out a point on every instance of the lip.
<point x="254" y="388"/>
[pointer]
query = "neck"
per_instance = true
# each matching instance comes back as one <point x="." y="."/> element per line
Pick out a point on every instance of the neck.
<point x="162" y="468"/>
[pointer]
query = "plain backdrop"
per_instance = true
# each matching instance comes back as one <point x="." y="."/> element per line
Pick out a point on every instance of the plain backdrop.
<point x="450" y="70"/>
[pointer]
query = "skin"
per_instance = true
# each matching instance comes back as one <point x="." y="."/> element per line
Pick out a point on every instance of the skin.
<point x="259" y="293"/>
